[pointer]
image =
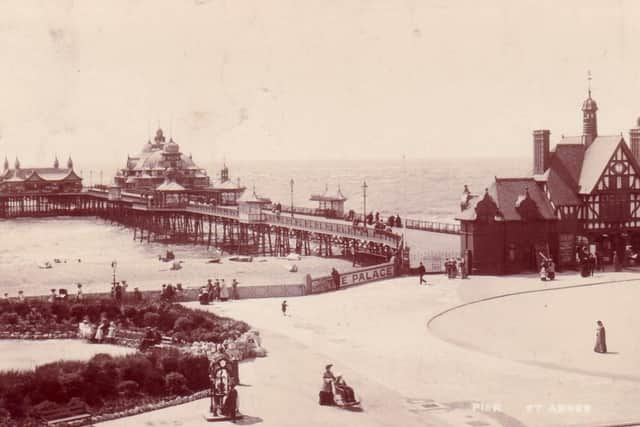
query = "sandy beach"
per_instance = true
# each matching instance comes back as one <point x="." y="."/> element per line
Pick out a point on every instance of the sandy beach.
<point x="96" y="244"/>
<point x="514" y="361"/>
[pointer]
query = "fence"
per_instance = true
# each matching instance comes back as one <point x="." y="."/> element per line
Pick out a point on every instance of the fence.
<point x="433" y="261"/>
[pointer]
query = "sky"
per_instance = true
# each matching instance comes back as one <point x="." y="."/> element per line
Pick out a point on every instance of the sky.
<point x="312" y="79"/>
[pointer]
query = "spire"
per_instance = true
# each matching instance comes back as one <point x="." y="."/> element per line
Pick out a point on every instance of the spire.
<point x="70" y="163"/>
<point x="17" y="163"/>
<point x="56" y="163"/>
<point x="6" y="163"/>
<point x="589" y="117"/>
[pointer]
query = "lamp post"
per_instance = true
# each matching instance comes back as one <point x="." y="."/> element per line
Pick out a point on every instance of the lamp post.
<point x="364" y="203"/>
<point x="291" y="184"/>
<point x="113" y="265"/>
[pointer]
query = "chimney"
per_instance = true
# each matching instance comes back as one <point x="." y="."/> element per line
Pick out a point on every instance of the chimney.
<point x="540" y="151"/>
<point x="634" y="137"/>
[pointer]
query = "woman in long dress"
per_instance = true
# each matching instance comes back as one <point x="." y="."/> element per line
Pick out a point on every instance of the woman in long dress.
<point x="224" y="292"/>
<point x="100" y="332"/>
<point x="601" y="339"/>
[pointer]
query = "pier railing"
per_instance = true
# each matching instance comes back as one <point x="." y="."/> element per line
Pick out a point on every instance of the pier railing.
<point x="436" y="227"/>
<point x="333" y="228"/>
<point x="211" y="209"/>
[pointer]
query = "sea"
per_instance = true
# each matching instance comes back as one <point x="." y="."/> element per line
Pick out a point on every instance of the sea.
<point x="418" y="189"/>
<point x="426" y="189"/>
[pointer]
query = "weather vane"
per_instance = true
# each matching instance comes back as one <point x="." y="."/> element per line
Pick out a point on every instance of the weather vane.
<point x="589" y="81"/>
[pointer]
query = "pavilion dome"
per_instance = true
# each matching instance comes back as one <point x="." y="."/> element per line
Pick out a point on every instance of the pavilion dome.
<point x="152" y="161"/>
<point x="172" y="147"/>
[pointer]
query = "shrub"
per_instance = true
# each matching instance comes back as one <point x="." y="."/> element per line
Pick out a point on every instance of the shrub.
<point x="9" y="318"/>
<point x="135" y="367"/>
<point x="183" y="323"/>
<point x="195" y="370"/>
<point x="73" y="384"/>
<point x="128" y="388"/>
<point x="151" y="319"/>
<point x="61" y="311"/>
<point x="154" y="383"/>
<point x="169" y="363"/>
<point x="78" y="311"/>
<point x="175" y="383"/>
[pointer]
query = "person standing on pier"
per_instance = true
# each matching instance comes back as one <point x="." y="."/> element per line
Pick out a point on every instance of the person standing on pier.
<point x="422" y="271"/>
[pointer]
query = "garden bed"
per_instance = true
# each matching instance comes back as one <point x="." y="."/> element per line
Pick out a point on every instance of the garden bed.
<point x="112" y="387"/>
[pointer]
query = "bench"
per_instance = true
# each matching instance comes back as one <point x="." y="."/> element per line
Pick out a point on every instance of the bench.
<point x="165" y="342"/>
<point x="72" y="413"/>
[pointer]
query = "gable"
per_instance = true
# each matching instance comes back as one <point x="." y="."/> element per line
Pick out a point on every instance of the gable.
<point x="596" y="159"/>
<point x="621" y="172"/>
<point x="34" y="177"/>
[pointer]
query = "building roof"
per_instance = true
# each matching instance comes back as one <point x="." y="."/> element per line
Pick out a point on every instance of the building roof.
<point x="170" y="186"/>
<point x="329" y="197"/>
<point x="227" y="185"/>
<point x="564" y="172"/>
<point x="596" y="159"/>
<point x="509" y="194"/>
<point x="252" y="197"/>
<point x="45" y="174"/>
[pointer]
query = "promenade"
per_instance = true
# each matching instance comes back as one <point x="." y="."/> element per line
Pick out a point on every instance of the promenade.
<point x="465" y="369"/>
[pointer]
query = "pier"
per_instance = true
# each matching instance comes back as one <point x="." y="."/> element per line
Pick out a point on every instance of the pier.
<point x="194" y="222"/>
<point x="412" y="224"/>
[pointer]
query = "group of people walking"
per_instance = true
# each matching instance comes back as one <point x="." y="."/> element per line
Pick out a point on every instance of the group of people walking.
<point x="218" y="291"/>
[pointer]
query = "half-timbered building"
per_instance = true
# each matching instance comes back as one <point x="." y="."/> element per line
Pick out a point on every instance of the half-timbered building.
<point x="583" y="195"/>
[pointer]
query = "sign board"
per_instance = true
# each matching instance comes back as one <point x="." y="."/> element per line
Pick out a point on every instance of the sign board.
<point x="368" y="275"/>
<point x="322" y="284"/>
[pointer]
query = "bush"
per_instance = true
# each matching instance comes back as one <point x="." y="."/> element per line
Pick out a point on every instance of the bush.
<point x="169" y="363"/>
<point x="175" y="383"/>
<point x="73" y="384"/>
<point x="128" y="388"/>
<point x="135" y="368"/>
<point x="151" y="319"/>
<point x="9" y="319"/>
<point x="154" y="383"/>
<point x="182" y="323"/>
<point x="78" y="311"/>
<point x="196" y="371"/>
<point x="61" y="311"/>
